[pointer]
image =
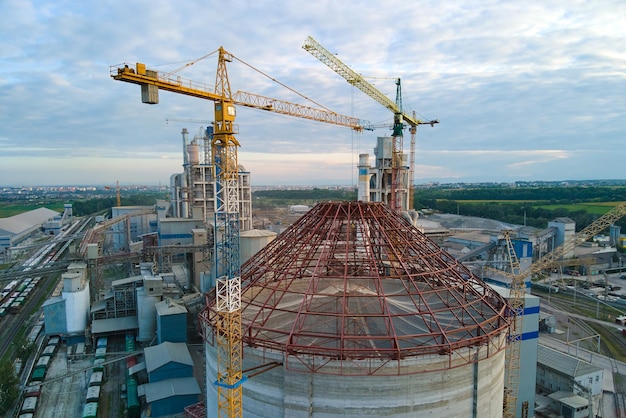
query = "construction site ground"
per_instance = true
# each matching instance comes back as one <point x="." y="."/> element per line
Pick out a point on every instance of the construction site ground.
<point x="64" y="397"/>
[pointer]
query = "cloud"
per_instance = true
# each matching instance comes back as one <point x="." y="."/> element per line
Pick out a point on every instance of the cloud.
<point x="520" y="89"/>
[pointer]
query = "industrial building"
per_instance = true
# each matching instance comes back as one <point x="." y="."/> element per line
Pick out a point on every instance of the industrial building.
<point x="141" y="221"/>
<point x="131" y="305"/>
<point x="375" y="182"/>
<point x="572" y="385"/>
<point x="15" y="229"/>
<point x="352" y="298"/>
<point x="171" y="385"/>
<point x="193" y="192"/>
<point x="67" y="314"/>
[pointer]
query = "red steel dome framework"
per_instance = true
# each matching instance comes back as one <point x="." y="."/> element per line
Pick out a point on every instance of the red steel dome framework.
<point x="354" y="282"/>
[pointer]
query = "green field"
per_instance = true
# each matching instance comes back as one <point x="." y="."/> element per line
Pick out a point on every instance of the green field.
<point x="597" y="208"/>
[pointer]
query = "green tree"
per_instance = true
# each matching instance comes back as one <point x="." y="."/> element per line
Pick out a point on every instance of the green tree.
<point x="23" y="348"/>
<point x="9" y="386"/>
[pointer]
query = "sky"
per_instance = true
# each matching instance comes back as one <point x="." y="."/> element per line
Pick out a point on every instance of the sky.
<point x="524" y="91"/>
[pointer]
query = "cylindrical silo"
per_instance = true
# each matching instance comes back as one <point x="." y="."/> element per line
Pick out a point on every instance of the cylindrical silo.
<point x="452" y="389"/>
<point x="352" y="314"/>
<point x="146" y="314"/>
<point x="76" y="296"/>
<point x="252" y="241"/>
<point x="194" y="153"/>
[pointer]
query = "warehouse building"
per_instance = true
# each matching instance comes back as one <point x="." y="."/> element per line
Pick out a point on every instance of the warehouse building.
<point x="15" y="229"/>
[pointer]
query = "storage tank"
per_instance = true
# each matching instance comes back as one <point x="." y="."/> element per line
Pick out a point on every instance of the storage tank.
<point x="354" y="314"/>
<point x="252" y="241"/>
<point x="76" y="296"/>
<point x="146" y="314"/>
<point x="193" y="150"/>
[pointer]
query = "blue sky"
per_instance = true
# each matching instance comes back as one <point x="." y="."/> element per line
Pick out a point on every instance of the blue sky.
<point x="532" y="90"/>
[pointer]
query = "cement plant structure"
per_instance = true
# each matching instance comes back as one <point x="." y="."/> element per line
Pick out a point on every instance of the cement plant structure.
<point x="353" y="312"/>
<point x="193" y="192"/>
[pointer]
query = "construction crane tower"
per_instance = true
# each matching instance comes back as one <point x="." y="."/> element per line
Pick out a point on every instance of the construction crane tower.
<point x="511" y="409"/>
<point x="224" y="147"/>
<point x="118" y="199"/>
<point x="400" y="117"/>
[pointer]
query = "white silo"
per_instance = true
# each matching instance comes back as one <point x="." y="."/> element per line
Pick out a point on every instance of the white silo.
<point x="193" y="150"/>
<point x="76" y="296"/>
<point x="146" y="314"/>
<point x="252" y="241"/>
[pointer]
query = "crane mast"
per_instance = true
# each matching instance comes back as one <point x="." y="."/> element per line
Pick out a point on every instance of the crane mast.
<point x="516" y="297"/>
<point x="224" y="145"/>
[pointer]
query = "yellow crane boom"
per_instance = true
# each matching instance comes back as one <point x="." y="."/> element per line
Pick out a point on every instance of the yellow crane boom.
<point x="143" y="77"/>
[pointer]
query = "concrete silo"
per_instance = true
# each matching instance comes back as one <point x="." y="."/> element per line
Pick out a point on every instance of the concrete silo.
<point x="352" y="312"/>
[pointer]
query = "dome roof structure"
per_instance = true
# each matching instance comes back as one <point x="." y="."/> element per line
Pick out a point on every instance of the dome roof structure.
<point x="355" y="281"/>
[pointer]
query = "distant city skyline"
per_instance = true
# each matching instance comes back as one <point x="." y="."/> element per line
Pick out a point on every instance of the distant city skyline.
<point x="519" y="183"/>
<point x="523" y="91"/>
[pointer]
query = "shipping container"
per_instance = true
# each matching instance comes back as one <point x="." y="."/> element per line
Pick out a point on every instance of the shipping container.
<point x="43" y="362"/>
<point x="90" y="410"/>
<point x="95" y="379"/>
<point x="93" y="394"/>
<point x="39" y="373"/>
<point x="101" y="352"/>
<point x="102" y="342"/>
<point x="132" y="398"/>
<point x="29" y="405"/>
<point x="49" y="350"/>
<point x="98" y="365"/>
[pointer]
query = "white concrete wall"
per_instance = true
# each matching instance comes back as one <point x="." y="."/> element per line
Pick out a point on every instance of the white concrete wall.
<point x="282" y="392"/>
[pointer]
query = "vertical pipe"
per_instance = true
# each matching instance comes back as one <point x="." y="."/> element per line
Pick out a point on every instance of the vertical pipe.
<point x="364" y="178"/>
<point x="185" y="134"/>
<point x="184" y="196"/>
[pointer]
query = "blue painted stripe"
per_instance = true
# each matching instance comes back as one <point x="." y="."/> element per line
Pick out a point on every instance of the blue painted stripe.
<point x="533" y="335"/>
<point x="532" y="310"/>
<point x="174" y="236"/>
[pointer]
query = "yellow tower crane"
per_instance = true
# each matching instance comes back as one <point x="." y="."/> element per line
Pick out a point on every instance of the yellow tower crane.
<point x="118" y="199"/>
<point x="511" y="409"/>
<point x="400" y="117"/>
<point x="224" y="152"/>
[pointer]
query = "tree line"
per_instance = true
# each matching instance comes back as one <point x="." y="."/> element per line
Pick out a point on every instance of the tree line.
<point x="515" y="205"/>
<point x="102" y="204"/>
<point x="521" y="206"/>
<point x="568" y="195"/>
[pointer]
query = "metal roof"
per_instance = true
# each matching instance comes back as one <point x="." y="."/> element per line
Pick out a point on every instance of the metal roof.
<point x="169" y="307"/>
<point x="14" y="225"/>
<point x="354" y="280"/>
<point x="164" y="389"/>
<point x="167" y="352"/>
<point x="251" y="233"/>
<point x="101" y="326"/>
<point x="569" y="399"/>
<point x="564" y="363"/>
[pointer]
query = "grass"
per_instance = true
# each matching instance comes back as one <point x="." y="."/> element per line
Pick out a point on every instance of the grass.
<point x="597" y="208"/>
